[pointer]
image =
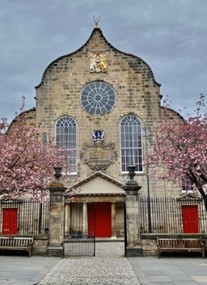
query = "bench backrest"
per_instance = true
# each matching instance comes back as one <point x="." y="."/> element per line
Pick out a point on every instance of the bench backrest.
<point x="16" y="241"/>
<point x="181" y="243"/>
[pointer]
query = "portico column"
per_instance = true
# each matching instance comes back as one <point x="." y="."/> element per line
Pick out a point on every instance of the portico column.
<point x="56" y="218"/>
<point x="113" y="219"/>
<point x="67" y="219"/>
<point x="85" y="219"/>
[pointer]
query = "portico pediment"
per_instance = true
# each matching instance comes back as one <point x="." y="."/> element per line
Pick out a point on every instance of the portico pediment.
<point x="99" y="184"/>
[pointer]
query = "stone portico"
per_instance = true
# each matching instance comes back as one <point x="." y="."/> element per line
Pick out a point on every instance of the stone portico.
<point x="98" y="203"/>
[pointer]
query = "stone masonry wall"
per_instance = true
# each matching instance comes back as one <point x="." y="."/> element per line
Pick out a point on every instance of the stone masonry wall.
<point x="137" y="93"/>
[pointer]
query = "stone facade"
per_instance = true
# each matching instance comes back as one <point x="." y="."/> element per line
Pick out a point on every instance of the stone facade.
<point x="136" y="93"/>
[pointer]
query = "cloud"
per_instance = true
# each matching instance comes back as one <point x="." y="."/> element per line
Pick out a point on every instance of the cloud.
<point x="169" y="35"/>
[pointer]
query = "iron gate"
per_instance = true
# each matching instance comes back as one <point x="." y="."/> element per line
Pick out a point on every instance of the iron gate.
<point x="79" y="246"/>
<point x="78" y="241"/>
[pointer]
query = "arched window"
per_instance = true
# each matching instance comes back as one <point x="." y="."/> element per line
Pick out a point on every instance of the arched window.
<point x="131" y="143"/>
<point x="66" y="139"/>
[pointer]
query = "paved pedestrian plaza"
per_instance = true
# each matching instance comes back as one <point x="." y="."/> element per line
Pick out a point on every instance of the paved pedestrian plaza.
<point x="109" y="267"/>
<point x="170" y="270"/>
<point x="24" y="270"/>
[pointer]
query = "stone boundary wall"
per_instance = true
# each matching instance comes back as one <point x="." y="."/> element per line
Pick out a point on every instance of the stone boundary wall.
<point x="40" y="245"/>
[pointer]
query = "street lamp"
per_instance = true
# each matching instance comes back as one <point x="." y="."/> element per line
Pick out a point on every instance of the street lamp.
<point x="44" y="142"/>
<point x="148" y="181"/>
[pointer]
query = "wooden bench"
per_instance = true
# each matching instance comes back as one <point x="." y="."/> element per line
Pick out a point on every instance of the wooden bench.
<point x="16" y="243"/>
<point x="180" y="245"/>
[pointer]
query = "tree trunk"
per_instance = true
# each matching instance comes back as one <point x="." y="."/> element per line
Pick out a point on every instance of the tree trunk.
<point x="203" y="194"/>
<point x="197" y="181"/>
<point x="205" y="201"/>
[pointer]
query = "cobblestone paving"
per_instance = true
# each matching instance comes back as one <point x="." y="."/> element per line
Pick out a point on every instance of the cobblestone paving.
<point x="90" y="271"/>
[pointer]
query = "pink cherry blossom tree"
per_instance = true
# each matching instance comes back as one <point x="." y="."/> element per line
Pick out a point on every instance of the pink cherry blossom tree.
<point x="26" y="162"/>
<point x="180" y="149"/>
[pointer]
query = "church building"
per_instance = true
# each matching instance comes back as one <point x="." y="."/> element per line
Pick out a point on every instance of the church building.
<point x="102" y="105"/>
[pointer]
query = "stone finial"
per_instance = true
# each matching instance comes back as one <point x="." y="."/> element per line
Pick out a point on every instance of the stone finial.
<point x="57" y="184"/>
<point x="131" y="184"/>
<point x="131" y="168"/>
<point x="58" y="170"/>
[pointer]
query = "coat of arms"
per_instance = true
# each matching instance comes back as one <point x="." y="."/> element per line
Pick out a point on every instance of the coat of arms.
<point x="98" y="62"/>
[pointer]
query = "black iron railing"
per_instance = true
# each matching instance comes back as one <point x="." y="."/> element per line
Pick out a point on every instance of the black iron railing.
<point x="167" y="214"/>
<point x="23" y="217"/>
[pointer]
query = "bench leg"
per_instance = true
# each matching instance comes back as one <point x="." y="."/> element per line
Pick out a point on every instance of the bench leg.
<point x="203" y="253"/>
<point x="158" y="253"/>
<point x="29" y="251"/>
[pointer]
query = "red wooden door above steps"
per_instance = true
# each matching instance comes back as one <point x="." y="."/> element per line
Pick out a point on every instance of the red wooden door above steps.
<point x="9" y="225"/>
<point x="99" y="219"/>
<point x="190" y="219"/>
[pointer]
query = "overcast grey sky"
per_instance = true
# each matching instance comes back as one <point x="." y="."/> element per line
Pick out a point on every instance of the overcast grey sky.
<point x="170" y="35"/>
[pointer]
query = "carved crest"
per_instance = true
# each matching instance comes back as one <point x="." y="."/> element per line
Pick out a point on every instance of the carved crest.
<point x="98" y="62"/>
<point x="98" y="135"/>
<point x="98" y="156"/>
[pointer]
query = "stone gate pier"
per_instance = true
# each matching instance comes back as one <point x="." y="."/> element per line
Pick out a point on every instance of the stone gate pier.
<point x="132" y="234"/>
<point x="56" y="219"/>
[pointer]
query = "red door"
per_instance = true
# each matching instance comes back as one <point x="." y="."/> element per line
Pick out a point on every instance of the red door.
<point x="99" y="219"/>
<point x="9" y="225"/>
<point x="190" y="219"/>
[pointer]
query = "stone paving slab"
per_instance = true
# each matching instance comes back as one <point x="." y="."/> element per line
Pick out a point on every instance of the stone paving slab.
<point x="170" y="270"/>
<point x="23" y="270"/>
<point x="90" y="271"/>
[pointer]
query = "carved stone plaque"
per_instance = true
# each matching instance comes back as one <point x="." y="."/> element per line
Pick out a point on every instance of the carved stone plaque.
<point x="98" y="156"/>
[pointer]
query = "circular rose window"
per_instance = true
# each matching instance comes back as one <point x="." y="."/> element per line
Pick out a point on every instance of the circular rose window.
<point x="98" y="97"/>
